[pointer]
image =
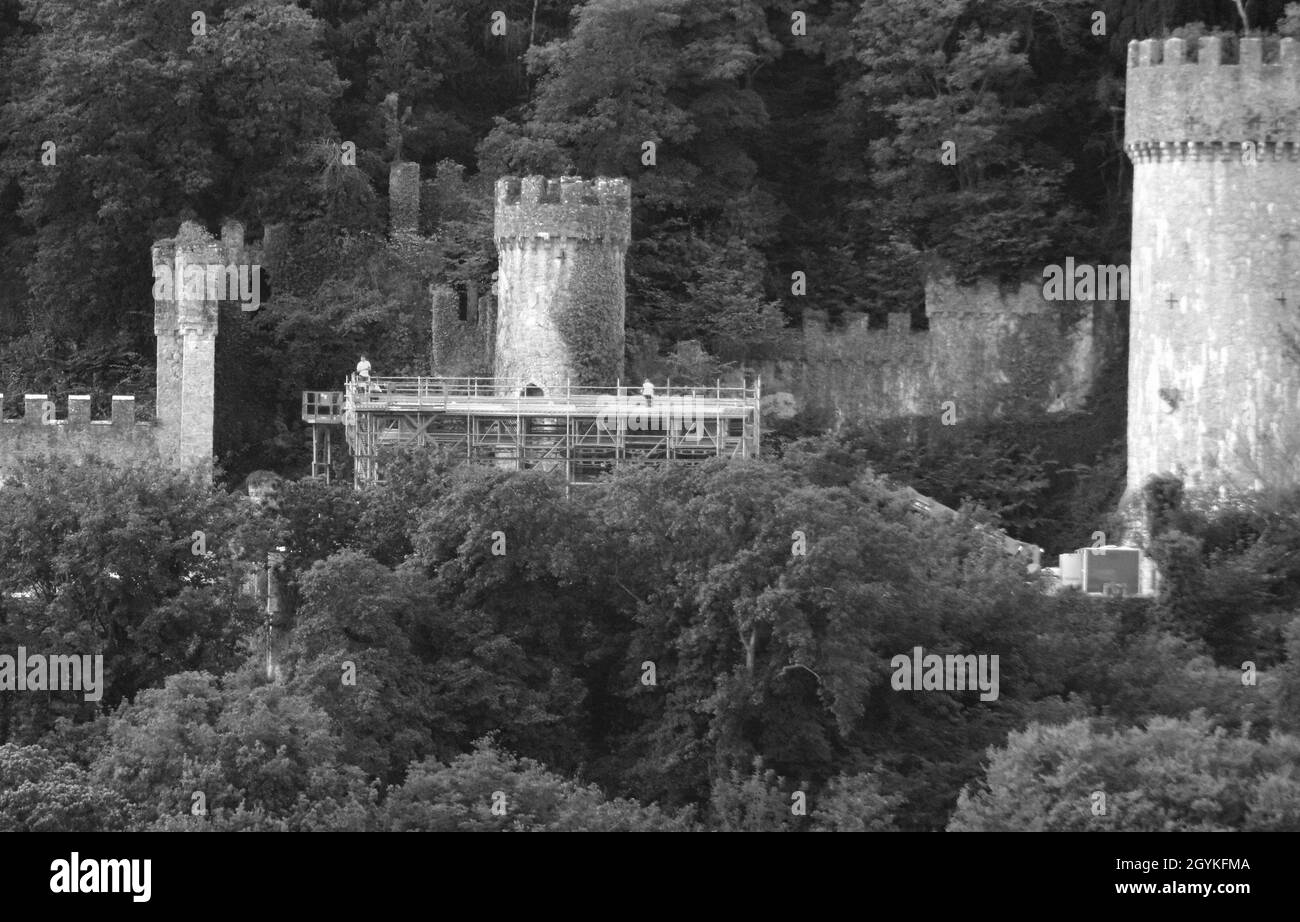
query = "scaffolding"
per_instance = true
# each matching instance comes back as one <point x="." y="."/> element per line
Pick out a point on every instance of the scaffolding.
<point x="582" y="432"/>
<point x="322" y="409"/>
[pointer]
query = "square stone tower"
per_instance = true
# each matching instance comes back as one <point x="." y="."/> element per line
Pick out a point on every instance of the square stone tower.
<point x="185" y="324"/>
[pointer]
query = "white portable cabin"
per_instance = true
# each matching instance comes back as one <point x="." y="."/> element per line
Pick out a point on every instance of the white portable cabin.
<point x="1109" y="570"/>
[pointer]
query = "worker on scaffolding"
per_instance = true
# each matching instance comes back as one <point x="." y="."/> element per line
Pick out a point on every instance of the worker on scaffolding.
<point x="363" y="374"/>
<point x="648" y="392"/>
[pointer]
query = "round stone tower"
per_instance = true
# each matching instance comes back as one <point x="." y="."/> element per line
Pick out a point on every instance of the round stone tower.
<point x="560" y="291"/>
<point x="1213" y="386"/>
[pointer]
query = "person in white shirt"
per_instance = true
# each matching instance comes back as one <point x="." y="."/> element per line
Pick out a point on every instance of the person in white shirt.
<point x="363" y="375"/>
<point x="648" y="392"/>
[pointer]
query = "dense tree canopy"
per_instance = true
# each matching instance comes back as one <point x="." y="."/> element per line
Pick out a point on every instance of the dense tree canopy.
<point x="717" y="641"/>
<point x="1171" y="776"/>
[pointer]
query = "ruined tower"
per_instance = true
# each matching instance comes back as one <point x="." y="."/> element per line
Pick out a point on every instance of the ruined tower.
<point x="185" y="325"/>
<point x="1213" y="384"/>
<point x="560" y="312"/>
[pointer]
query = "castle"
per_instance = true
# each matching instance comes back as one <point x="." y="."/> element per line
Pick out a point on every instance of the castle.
<point x="1213" y="351"/>
<point x="531" y="379"/>
<point x="558" y="313"/>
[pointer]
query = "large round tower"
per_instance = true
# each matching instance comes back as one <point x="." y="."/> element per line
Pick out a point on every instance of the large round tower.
<point x="1215" y="296"/>
<point x="560" y="289"/>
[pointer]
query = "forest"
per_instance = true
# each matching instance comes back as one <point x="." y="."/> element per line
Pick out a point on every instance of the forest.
<point x="470" y="649"/>
<point x="658" y="652"/>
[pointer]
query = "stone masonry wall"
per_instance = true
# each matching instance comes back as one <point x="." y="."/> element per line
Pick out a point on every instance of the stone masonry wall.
<point x="69" y="430"/>
<point x="561" y="295"/>
<point x="461" y="348"/>
<point x="992" y="351"/>
<point x="1213" y="376"/>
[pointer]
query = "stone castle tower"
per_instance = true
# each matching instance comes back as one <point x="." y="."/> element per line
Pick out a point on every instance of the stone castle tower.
<point x="561" y="244"/>
<point x="1213" y="386"/>
<point x="185" y="327"/>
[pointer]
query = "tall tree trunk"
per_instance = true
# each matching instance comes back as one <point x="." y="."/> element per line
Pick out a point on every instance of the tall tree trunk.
<point x="1245" y="21"/>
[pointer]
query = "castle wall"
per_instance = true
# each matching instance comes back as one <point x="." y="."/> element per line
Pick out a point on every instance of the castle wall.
<point x="121" y="439"/>
<point x="1005" y="351"/>
<point x="1213" y="383"/>
<point x="185" y="327"/>
<point x="993" y="351"/>
<point x="404" y="240"/>
<point x="461" y="348"/>
<point x="561" y="293"/>
<point x="403" y="199"/>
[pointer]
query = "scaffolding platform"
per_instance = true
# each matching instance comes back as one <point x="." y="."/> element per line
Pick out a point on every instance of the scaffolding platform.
<point x="582" y="432"/>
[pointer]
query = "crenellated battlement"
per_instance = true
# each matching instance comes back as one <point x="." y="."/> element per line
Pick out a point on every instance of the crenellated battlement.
<point x="1187" y="101"/>
<point x="48" y="427"/>
<point x="534" y="208"/>
<point x="1252" y="52"/>
<point x="898" y="327"/>
<point x="192" y="266"/>
<point x="39" y="410"/>
<point x="991" y="349"/>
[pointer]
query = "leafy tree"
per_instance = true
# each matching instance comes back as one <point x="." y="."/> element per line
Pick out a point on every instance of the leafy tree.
<point x="762" y="651"/>
<point x="1288" y="699"/>
<point x="357" y="611"/>
<point x="40" y="794"/>
<point x="970" y="114"/>
<point x="390" y="513"/>
<point x="509" y="634"/>
<point x="854" y="803"/>
<point x="103" y="561"/>
<point x="1040" y="480"/>
<point x="152" y="124"/>
<point x="740" y="324"/>
<point x="1116" y="658"/>
<point x="1171" y="776"/>
<point x="259" y="747"/>
<point x="758" y="802"/>
<point x="489" y="790"/>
